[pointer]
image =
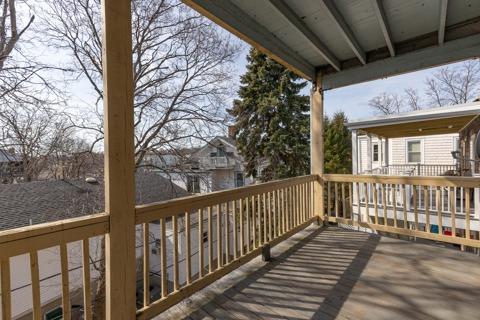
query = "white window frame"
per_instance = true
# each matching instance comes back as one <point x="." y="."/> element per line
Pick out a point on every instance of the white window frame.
<point x="193" y="177"/>
<point x="422" y="150"/>
<point x="378" y="151"/>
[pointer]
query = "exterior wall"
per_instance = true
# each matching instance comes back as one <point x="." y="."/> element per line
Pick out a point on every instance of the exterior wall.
<point x="436" y="150"/>
<point x="180" y="179"/>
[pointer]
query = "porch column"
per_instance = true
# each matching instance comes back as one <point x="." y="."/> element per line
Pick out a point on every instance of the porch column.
<point x="355" y="155"/>
<point x="316" y="143"/>
<point x="119" y="159"/>
<point x="386" y="157"/>
<point x="355" y="166"/>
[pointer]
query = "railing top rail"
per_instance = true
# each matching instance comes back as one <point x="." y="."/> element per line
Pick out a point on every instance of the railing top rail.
<point x="436" y="181"/>
<point x="22" y="240"/>
<point x="150" y="212"/>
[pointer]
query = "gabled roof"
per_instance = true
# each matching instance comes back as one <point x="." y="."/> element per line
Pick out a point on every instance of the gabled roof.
<point x="450" y="119"/>
<point x="44" y="201"/>
<point x="6" y="156"/>
<point x="352" y="41"/>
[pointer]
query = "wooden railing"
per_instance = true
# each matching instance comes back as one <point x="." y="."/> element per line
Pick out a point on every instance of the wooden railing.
<point x="186" y="244"/>
<point x="27" y="245"/>
<point x="219" y="232"/>
<point x="435" y="208"/>
<point x="417" y="170"/>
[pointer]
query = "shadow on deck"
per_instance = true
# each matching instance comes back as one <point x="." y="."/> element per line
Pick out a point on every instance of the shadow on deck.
<point x="333" y="273"/>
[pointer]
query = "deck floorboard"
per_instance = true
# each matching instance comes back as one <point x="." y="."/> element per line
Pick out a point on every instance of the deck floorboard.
<point x="333" y="273"/>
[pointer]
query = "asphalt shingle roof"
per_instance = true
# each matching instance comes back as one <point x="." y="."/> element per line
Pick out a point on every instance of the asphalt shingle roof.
<point x="44" y="201"/>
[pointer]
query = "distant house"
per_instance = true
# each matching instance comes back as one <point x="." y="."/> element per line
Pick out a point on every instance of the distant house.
<point x="11" y="165"/>
<point x="215" y="166"/>
<point x="37" y="202"/>
<point x="418" y="148"/>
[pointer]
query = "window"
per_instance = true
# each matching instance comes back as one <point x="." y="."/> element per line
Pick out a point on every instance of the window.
<point x="193" y="184"/>
<point x="221" y="151"/>
<point x="239" y="179"/>
<point x="375" y="152"/>
<point x="414" y="151"/>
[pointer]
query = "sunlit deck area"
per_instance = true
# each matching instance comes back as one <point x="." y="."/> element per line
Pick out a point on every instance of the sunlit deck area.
<point x="333" y="273"/>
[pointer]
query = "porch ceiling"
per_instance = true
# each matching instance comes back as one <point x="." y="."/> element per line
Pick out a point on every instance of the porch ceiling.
<point x="352" y="41"/>
<point x="421" y="128"/>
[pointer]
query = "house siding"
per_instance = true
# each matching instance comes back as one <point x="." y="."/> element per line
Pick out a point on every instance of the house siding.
<point x="436" y="150"/>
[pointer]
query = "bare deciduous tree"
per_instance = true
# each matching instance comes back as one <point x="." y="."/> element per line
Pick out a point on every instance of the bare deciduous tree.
<point x="454" y="84"/>
<point x="32" y="131"/>
<point x="182" y="67"/>
<point x="386" y="103"/>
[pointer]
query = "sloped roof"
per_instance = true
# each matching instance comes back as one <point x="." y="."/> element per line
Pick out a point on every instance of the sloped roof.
<point x="6" y="156"/>
<point x="449" y="119"/>
<point x="44" y="201"/>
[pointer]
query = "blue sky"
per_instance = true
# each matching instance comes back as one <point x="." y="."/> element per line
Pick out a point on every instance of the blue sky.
<point x="353" y="100"/>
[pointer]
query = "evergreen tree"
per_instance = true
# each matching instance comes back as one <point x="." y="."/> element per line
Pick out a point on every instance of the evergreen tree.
<point x="271" y="120"/>
<point x="337" y="144"/>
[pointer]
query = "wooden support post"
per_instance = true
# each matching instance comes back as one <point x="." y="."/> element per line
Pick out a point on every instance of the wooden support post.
<point x="266" y="252"/>
<point x="316" y="144"/>
<point x="119" y="159"/>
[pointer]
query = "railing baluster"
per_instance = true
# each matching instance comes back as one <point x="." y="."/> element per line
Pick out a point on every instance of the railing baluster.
<point x="337" y="213"/>
<point x="350" y="193"/>
<point x="415" y="205"/>
<point x="375" y="201"/>
<point x="344" y="202"/>
<point x="6" y="289"/>
<point x="188" y="245"/>
<point x="427" y="209"/>
<point x="254" y="224"/>
<point x="438" y="195"/>
<point x="269" y="203"/>
<point x="247" y="205"/>
<point x="146" y="265"/>
<point x="235" y="230"/>
<point x="201" y="254"/>
<point x="242" y="235"/>
<point x="367" y="204"/>
<point x="404" y="202"/>
<point x="163" y="256"/>
<point x="35" y="278"/>
<point x="176" y="284"/>
<point x="453" y="200"/>
<point x="329" y="200"/>
<point x="394" y="203"/>
<point x="467" y="213"/>
<point x="276" y="207"/>
<point x="284" y="210"/>
<point x="359" y="214"/>
<point x="219" y="237"/>
<point x="210" y="239"/>
<point x="87" y="293"/>
<point x="384" y="205"/>
<point x="227" y="232"/>
<point x="259" y="219"/>
<point x="66" y="309"/>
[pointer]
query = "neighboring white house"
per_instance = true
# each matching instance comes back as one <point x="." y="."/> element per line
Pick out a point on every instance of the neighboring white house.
<point x="214" y="166"/>
<point x="417" y="143"/>
<point x="417" y="149"/>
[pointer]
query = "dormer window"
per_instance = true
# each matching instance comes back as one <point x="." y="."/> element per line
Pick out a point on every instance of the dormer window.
<point x="221" y="150"/>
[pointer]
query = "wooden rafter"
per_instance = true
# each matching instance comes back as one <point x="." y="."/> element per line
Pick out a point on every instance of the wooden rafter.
<point x="345" y="30"/>
<point x="295" y="21"/>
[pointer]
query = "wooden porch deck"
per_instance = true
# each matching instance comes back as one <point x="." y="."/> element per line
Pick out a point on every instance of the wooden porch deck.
<point x="333" y="273"/>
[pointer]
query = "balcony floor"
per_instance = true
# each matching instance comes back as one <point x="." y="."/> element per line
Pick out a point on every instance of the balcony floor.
<point x="333" y="273"/>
